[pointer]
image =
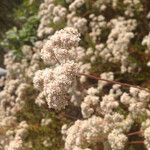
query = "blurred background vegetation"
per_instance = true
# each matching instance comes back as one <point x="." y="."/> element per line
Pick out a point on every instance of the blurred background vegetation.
<point x="6" y="18"/>
<point x="18" y="24"/>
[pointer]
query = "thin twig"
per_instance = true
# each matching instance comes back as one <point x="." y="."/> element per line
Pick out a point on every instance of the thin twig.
<point x="114" y="82"/>
<point x="56" y="58"/>
<point x="136" y="142"/>
<point x="135" y="133"/>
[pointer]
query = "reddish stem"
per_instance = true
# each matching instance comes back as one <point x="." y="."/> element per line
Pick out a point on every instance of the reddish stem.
<point x="135" y="133"/>
<point x="114" y="82"/>
<point x="136" y="142"/>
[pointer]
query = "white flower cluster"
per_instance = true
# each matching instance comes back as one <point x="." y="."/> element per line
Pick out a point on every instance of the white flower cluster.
<point x="45" y="122"/>
<point x="137" y="102"/>
<point x="16" y="92"/>
<point x="16" y="142"/>
<point x="117" y="43"/>
<point x="97" y="23"/>
<point x="76" y="4"/>
<point x="49" y="14"/>
<point x="117" y="140"/>
<point x="146" y="130"/>
<point x="90" y="101"/>
<point x="146" y="42"/>
<point x="109" y="103"/>
<point x="103" y="4"/>
<point x="105" y="75"/>
<point x="85" y="133"/>
<point x="54" y="83"/>
<point x="77" y="22"/>
<point x="131" y="6"/>
<point x="61" y="46"/>
<point x="147" y="137"/>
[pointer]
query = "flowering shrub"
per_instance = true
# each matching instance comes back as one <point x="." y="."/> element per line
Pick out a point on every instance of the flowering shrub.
<point x="86" y="75"/>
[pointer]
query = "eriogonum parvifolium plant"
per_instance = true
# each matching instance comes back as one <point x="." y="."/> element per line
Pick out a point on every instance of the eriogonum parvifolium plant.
<point x="90" y="66"/>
